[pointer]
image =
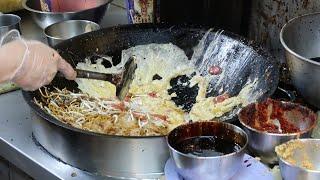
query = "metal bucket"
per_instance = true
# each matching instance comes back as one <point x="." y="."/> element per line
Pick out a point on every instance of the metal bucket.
<point x="301" y="40"/>
<point x="268" y="17"/>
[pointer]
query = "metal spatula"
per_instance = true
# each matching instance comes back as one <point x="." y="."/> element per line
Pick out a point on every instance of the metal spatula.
<point x="121" y="80"/>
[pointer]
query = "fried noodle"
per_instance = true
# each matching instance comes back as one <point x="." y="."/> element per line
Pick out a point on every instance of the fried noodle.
<point x="107" y="116"/>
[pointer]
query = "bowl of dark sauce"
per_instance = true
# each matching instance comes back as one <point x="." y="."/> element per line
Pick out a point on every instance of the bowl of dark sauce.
<point x="207" y="149"/>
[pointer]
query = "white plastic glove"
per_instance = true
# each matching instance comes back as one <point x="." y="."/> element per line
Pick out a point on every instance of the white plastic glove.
<point x="30" y="64"/>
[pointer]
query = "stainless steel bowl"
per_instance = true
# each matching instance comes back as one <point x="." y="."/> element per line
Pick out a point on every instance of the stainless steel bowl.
<point x="207" y="168"/>
<point x="44" y="19"/>
<point x="9" y="22"/>
<point x="301" y="39"/>
<point x="262" y="143"/>
<point x="64" y="30"/>
<point x="308" y="155"/>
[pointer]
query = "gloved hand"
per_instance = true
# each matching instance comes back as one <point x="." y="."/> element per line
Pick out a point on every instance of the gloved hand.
<point x="30" y="64"/>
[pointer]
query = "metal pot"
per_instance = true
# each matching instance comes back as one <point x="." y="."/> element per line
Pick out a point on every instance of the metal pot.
<point x="136" y="157"/>
<point x="301" y="41"/>
<point x="267" y="18"/>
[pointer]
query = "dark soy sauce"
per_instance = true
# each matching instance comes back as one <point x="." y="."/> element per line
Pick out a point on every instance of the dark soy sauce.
<point x="207" y="146"/>
<point x="317" y="59"/>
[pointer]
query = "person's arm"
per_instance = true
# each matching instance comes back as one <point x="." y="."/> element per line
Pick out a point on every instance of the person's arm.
<point x="31" y="64"/>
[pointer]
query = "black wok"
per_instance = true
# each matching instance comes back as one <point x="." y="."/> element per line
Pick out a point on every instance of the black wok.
<point x="111" y="41"/>
<point x="256" y="63"/>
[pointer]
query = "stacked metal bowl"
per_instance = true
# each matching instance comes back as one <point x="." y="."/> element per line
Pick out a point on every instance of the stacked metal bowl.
<point x="46" y="18"/>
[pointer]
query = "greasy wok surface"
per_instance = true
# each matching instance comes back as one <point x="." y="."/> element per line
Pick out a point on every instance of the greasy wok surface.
<point x="241" y="60"/>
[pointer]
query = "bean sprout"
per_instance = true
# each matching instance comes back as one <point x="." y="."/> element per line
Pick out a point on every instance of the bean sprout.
<point x="108" y="116"/>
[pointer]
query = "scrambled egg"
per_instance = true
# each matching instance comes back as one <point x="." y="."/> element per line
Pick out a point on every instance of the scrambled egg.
<point x="208" y="108"/>
<point x="96" y="88"/>
<point x="166" y="61"/>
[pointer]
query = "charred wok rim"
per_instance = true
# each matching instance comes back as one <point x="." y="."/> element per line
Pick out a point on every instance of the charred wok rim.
<point x="300" y="57"/>
<point x="237" y="130"/>
<point x="162" y="27"/>
<point x="25" y="6"/>
<point x="310" y="140"/>
<point x="276" y="134"/>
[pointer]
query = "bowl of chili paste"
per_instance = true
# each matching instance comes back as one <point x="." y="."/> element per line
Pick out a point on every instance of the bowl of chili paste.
<point x="272" y="122"/>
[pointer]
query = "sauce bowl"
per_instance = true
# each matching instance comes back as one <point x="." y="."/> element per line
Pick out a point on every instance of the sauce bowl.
<point x="299" y="159"/>
<point x="215" y="160"/>
<point x="261" y="142"/>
